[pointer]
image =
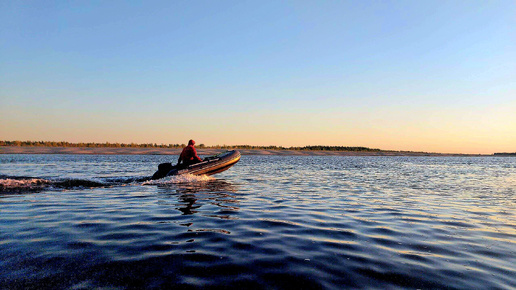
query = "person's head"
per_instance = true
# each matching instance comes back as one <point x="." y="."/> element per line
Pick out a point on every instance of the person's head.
<point x="191" y="142"/>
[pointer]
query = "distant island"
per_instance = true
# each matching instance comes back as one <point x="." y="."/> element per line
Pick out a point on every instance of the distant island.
<point x="175" y="146"/>
<point x="62" y="147"/>
<point x="505" y="154"/>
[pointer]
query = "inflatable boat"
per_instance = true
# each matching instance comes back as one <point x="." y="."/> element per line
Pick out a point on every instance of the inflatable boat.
<point x="209" y="166"/>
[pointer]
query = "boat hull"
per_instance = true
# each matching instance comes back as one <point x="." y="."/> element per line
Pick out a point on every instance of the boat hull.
<point x="211" y="165"/>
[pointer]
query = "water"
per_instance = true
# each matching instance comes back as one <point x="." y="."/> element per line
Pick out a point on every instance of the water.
<point x="86" y="221"/>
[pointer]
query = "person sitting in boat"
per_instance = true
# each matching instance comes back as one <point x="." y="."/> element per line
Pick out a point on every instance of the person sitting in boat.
<point x="189" y="155"/>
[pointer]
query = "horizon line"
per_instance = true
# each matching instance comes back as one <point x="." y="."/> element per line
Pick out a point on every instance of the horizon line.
<point x="28" y="143"/>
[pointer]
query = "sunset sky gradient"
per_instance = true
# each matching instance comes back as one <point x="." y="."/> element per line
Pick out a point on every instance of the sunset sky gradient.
<point x="435" y="76"/>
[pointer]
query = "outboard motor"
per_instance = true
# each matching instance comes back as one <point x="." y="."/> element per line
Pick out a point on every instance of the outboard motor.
<point x="163" y="169"/>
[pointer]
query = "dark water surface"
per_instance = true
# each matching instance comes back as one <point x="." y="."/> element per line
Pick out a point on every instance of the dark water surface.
<point x="83" y="221"/>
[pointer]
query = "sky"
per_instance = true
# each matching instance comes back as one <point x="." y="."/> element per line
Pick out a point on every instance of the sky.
<point x="433" y="76"/>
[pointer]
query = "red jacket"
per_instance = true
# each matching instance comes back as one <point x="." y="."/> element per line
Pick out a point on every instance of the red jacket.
<point x="189" y="155"/>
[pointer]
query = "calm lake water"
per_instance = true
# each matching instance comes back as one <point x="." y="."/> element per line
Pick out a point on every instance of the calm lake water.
<point x="274" y="222"/>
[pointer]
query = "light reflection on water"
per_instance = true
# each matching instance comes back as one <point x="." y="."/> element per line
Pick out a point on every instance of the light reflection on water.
<point x="270" y="221"/>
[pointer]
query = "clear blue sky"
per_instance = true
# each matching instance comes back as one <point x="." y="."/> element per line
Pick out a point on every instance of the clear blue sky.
<point x="404" y="75"/>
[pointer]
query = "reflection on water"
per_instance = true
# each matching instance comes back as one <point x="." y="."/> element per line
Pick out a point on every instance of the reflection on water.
<point x="191" y="195"/>
<point x="188" y="201"/>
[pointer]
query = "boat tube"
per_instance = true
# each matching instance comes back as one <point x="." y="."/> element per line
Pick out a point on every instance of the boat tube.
<point x="209" y="166"/>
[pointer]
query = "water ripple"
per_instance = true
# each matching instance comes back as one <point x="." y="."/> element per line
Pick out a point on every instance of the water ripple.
<point x="269" y="222"/>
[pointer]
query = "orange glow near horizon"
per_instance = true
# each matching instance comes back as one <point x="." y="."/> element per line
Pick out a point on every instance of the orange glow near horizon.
<point x="481" y="131"/>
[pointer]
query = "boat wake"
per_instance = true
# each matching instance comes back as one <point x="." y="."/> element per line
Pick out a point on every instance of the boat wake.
<point x="14" y="184"/>
<point x="25" y="184"/>
<point x="179" y="179"/>
<point x="20" y="184"/>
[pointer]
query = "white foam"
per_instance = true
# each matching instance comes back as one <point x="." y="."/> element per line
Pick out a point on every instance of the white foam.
<point x="177" y="179"/>
<point x="22" y="183"/>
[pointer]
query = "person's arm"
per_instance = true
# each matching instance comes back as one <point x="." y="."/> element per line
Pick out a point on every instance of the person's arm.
<point x="180" y="157"/>
<point x="195" y="155"/>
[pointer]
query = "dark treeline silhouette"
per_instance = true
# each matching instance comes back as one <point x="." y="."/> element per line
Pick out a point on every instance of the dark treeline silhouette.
<point x="310" y="148"/>
<point x="339" y="148"/>
<point x="154" y="145"/>
<point x="505" y="154"/>
<point x="81" y="144"/>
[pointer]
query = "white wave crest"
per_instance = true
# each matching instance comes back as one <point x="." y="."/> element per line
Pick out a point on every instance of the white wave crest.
<point x="178" y="179"/>
<point x="22" y="183"/>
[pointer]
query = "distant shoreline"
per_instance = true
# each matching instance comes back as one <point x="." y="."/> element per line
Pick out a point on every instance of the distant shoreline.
<point x="177" y="151"/>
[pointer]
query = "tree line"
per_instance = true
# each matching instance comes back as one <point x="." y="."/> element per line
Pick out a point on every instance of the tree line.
<point x="89" y="144"/>
<point x="174" y="146"/>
